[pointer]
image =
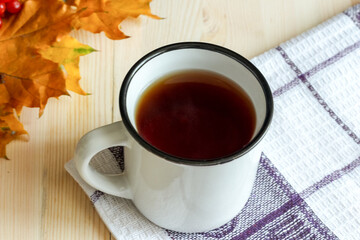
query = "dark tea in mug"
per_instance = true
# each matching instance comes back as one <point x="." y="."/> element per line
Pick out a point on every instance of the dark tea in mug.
<point x="196" y="114"/>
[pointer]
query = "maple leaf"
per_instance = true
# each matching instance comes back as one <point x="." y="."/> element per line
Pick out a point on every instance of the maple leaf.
<point x="30" y="79"/>
<point x="106" y="15"/>
<point x="10" y="127"/>
<point x="67" y="52"/>
<point x="40" y="60"/>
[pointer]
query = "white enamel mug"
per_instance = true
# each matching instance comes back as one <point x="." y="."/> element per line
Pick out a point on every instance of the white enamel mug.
<point x="176" y="193"/>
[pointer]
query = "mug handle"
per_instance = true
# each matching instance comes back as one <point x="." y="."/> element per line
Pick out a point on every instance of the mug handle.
<point x="93" y="142"/>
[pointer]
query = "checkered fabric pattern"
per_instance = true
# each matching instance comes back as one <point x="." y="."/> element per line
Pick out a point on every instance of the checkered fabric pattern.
<point x="308" y="180"/>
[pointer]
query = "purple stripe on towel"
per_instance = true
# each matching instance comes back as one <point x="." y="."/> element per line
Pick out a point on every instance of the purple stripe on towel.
<point x="269" y="218"/>
<point x="118" y="153"/>
<point x="96" y="196"/>
<point x="286" y="87"/>
<point x="332" y="59"/>
<point x="314" y="70"/>
<point x="330" y="178"/>
<point x="354" y="14"/>
<point x="321" y="101"/>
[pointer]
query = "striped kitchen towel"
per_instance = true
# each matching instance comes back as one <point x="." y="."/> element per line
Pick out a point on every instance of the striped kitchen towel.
<point x="308" y="180"/>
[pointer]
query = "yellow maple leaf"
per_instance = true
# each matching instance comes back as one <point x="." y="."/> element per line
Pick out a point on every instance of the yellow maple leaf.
<point x="67" y="52"/>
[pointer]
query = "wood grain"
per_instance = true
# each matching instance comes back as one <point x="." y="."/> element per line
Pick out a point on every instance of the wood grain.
<point x="38" y="199"/>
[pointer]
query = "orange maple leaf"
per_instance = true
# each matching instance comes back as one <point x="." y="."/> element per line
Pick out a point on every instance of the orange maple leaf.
<point x="10" y="127"/>
<point x="106" y="15"/>
<point x="39" y="60"/>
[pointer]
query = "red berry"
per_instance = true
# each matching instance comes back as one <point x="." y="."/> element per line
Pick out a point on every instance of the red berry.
<point x="5" y="1"/>
<point x="2" y="9"/>
<point x="13" y="6"/>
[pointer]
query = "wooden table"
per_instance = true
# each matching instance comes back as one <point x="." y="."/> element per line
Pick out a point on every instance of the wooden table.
<point x="38" y="198"/>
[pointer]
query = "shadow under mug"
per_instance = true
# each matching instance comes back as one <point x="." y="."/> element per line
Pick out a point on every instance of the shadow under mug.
<point x="176" y="193"/>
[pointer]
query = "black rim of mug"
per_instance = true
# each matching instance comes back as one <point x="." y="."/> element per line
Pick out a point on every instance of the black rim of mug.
<point x="206" y="46"/>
